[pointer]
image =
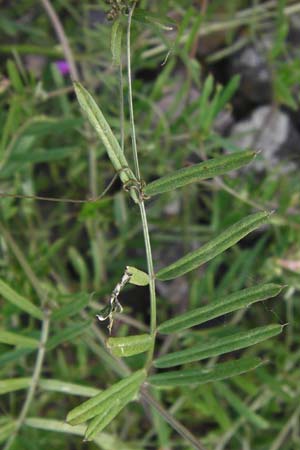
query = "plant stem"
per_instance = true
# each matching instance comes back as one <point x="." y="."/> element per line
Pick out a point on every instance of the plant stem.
<point x="34" y="381"/>
<point x="150" y="271"/>
<point x="133" y="135"/>
<point x="141" y="202"/>
<point x="19" y="255"/>
<point x="62" y="38"/>
<point x="184" y="432"/>
<point x="122" y="118"/>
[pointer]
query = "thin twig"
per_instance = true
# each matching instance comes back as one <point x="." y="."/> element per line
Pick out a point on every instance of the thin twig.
<point x="62" y="38"/>
<point x="282" y="436"/>
<point x="34" y="381"/>
<point x="60" y="199"/>
<point x="184" y="432"/>
<point x="58" y="92"/>
<point x="23" y="263"/>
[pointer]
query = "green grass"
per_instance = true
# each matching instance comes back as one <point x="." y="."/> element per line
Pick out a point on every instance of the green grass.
<point x="66" y="258"/>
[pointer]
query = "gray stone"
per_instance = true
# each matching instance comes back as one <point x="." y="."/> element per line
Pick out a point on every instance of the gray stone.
<point x="270" y="131"/>
<point x="251" y="64"/>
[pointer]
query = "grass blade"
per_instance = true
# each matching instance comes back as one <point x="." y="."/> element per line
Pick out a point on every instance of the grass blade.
<point x="227" y="93"/>
<point x="241" y="408"/>
<point x="18" y="300"/>
<point x="67" y="334"/>
<point x="6" y="337"/>
<point x="130" y="345"/>
<point x="6" y="429"/>
<point x="207" y="375"/>
<point x="101" y="126"/>
<point x="67" y="388"/>
<point x="230" y="303"/>
<point x="220" y="346"/>
<point x="13" y="384"/>
<point x="214" y="247"/>
<point x="105" y="441"/>
<point x="158" y="20"/>
<point x="74" y="306"/>
<point x="14" y="355"/>
<point x="202" y="171"/>
<point x="97" y="404"/>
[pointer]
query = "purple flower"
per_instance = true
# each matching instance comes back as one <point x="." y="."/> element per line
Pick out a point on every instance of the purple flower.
<point x="63" y="67"/>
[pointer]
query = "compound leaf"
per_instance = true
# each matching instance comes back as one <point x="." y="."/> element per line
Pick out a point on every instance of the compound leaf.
<point x="18" y="300"/>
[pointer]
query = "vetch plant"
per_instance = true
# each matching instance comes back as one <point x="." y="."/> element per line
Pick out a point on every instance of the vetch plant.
<point x="101" y="409"/>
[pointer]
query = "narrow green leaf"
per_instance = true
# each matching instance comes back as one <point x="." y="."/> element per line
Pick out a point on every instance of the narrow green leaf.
<point x="111" y="410"/>
<point x="138" y="277"/>
<point x="73" y="307"/>
<point x="21" y="302"/>
<point x="10" y="125"/>
<point x="97" y="404"/>
<point x="116" y="42"/>
<point x="207" y="375"/>
<point x="43" y="125"/>
<point x="54" y="425"/>
<point x="99" y="123"/>
<point x="145" y="16"/>
<point x="67" y="334"/>
<point x="217" y="308"/>
<point x="241" y="408"/>
<point x="14" y="76"/>
<point x="207" y="90"/>
<point x="67" y="388"/>
<point x="227" y="92"/>
<point x="6" y="337"/>
<point x="130" y="345"/>
<point x="202" y="171"/>
<point x="13" y="384"/>
<point x="6" y="429"/>
<point x="105" y="441"/>
<point x="214" y="247"/>
<point x="14" y="355"/>
<point x="220" y="346"/>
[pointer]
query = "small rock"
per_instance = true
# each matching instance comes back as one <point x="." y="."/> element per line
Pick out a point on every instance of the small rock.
<point x="270" y="131"/>
<point x="251" y="64"/>
<point x="294" y="31"/>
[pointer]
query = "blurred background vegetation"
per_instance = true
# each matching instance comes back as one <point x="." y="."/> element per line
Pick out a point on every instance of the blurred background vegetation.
<point x="224" y="78"/>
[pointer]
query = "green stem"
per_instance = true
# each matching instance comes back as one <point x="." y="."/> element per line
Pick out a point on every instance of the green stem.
<point x="150" y="270"/>
<point x="141" y="203"/>
<point x="34" y="381"/>
<point x="122" y="118"/>
<point x="133" y="135"/>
